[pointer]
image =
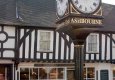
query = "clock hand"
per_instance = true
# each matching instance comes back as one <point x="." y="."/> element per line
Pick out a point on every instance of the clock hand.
<point x="61" y="1"/>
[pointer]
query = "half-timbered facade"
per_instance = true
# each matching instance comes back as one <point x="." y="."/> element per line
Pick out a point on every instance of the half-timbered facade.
<point x="32" y="49"/>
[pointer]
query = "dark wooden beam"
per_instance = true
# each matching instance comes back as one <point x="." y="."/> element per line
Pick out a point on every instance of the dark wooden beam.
<point x="100" y="47"/>
<point x="111" y="49"/>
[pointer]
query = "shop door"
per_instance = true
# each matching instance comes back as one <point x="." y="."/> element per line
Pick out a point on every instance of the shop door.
<point x="5" y="72"/>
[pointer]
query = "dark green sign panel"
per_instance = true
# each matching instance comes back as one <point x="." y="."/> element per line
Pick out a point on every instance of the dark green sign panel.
<point x="104" y="75"/>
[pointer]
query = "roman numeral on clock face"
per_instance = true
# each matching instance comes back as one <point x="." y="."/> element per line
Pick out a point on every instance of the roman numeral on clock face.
<point x="85" y="8"/>
<point x="76" y="2"/>
<point x="95" y="4"/>
<point x="80" y="6"/>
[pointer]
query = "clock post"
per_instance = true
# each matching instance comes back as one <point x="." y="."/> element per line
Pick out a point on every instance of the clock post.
<point x="78" y="18"/>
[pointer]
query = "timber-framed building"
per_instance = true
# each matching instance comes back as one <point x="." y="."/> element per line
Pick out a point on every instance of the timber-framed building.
<point x="32" y="49"/>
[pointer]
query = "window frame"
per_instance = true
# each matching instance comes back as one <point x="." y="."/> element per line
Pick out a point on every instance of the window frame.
<point x="51" y="41"/>
<point x="97" y="42"/>
<point x="86" y="78"/>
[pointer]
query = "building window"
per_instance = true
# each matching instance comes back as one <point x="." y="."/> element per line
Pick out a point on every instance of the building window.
<point x="113" y="74"/>
<point x="70" y="74"/>
<point x="24" y="74"/>
<point x="89" y="73"/>
<point x="45" y="41"/>
<point x="92" y="43"/>
<point x="44" y="73"/>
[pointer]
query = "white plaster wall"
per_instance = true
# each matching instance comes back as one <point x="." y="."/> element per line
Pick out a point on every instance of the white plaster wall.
<point x="10" y="30"/>
<point x="32" y="45"/>
<point x="108" y="48"/>
<point x="57" y="40"/>
<point x="103" y="46"/>
<point x="10" y="43"/>
<point x="27" y="47"/>
<point x="72" y="51"/>
<point x="113" y="46"/>
<point x="8" y="54"/>
<point x="62" y="48"/>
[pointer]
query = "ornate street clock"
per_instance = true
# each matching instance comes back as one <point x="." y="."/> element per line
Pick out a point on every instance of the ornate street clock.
<point x="78" y="16"/>
<point x="80" y="12"/>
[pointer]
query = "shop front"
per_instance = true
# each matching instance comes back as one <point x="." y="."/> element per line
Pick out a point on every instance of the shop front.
<point x="43" y="71"/>
<point x="31" y="71"/>
<point x="6" y="71"/>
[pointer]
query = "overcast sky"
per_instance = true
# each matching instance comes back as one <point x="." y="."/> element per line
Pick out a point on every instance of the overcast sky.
<point x="109" y="1"/>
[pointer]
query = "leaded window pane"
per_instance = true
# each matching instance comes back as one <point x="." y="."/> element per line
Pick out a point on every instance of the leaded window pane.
<point x="42" y="73"/>
<point x="92" y="43"/>
<point x="45" y="41"/>
<point x="60" y="73"/>
<point x="33" y="73"/>
<point x="24" y="74"/>
<point x="89" y="73"/>
<point x="53" y="73"/>
<point x="44" y="45"/>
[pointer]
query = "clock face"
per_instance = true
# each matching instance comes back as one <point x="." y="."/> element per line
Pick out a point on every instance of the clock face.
<point x="61" y="7"/>
<point x="86" y="6"/>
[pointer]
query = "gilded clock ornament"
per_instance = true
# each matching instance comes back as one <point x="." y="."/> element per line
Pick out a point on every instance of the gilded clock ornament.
<point x="61" y="7"/>
<point x="86" y="6"/>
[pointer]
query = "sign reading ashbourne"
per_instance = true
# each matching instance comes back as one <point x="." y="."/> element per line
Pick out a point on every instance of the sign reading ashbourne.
<point x="86" y="21"/>
<point x="81" y="21"/>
